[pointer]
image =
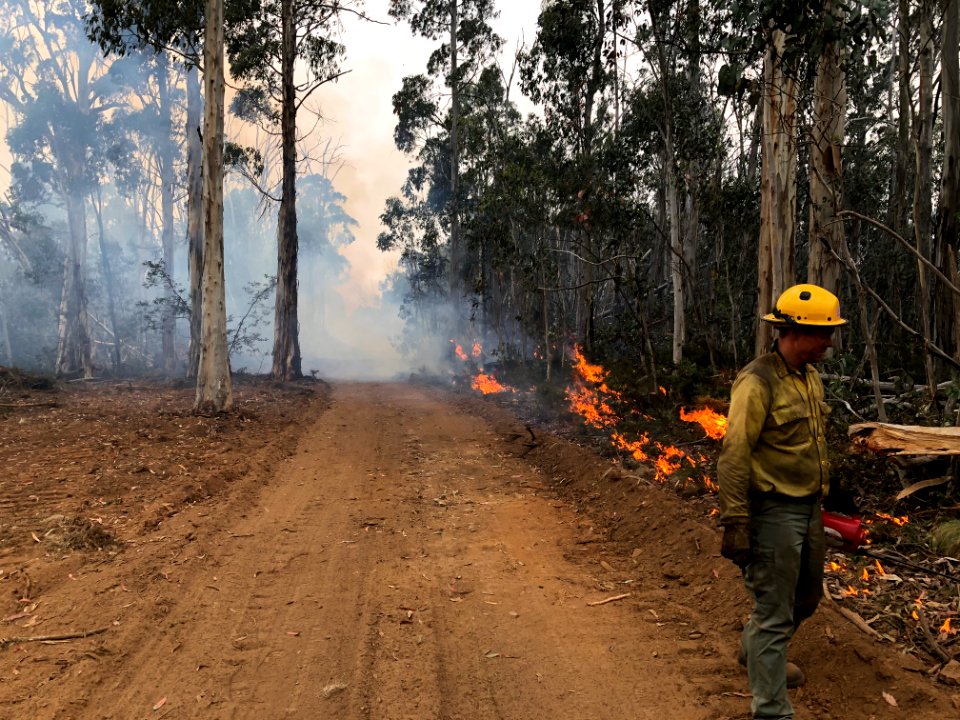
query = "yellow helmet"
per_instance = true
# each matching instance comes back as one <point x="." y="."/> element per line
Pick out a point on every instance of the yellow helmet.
<point x="806" y="305"/>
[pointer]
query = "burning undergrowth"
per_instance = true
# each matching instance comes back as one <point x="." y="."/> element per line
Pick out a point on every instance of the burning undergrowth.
<point x="656" y="440"/>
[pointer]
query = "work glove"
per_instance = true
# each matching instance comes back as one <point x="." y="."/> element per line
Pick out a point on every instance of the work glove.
<point x="735" y="545"/>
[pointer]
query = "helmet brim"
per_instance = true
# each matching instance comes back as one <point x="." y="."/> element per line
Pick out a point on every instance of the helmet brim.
<point x="778" y="321"/>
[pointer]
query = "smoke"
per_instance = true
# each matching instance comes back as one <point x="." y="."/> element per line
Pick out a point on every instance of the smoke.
<point x="353" y="324"/>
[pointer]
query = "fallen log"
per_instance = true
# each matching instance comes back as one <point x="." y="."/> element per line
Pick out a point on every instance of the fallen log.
<point x="887" y="439"/>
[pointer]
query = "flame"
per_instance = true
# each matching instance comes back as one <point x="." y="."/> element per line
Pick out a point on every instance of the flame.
<point x="898" y="521"/>
<point x="487" y="384"/>
<point x="914" y="615"/>
<point x="835" y="567"/>
<point x="635" y="448"/>
<point x="477" y="349"/>
<point x="851" y="591"/>
<point x="591" y="408"/>
<point x="714" y="512"/>
<point x="713" y="423"/>
<point x="947" y="629"/>
<point x="663" y="390"/>
<point x="879" y="567"/>
<point x="670" y="460"/>
<point x="866" y="576"/>
<point x="589" y="397"/>
<point x="458" y="350"/>
<point x="591" y="373"/>
<point x="594" y="401"/>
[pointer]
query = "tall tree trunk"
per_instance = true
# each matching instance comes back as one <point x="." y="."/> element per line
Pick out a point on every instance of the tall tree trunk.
<point x="73" y="341"/>
<point x="194" y="214"/>
<point x="826" y="170"/>
<point x="214" y="387"/>
<point x="108" y="282"/>
<point x="547" y="352"/>
<point x="948" y="304"/>
<point x="778" y="184"/>
<point x="286" y="337"/>
<point x="923" y="149"/>
<point x="898" y="191"/>
<point x="585" y="296"/>
<point x="5" y="335"/>
<point x="457" y="252"/>
<point x="165" y="160"/>
<point x="693" y="170"/>
<point x="671" y="194"/>
<point x="676" y="245"/>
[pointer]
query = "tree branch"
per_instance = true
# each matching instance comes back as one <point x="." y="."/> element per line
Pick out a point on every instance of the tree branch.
<point x="912" y="250"/>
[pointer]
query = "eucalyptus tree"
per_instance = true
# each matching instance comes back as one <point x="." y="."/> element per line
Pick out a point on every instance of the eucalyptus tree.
<point x="923" y="183"/>
<point x="671" y="37"/>
<point x="267" y="40"/>
<point x="423" y="121"/>
<point x="948" y="211"/>
<point x="799" y="43"/>
<point x="146" y="172"/>
<point x="214" y="384"/>
<point x="567" y="70"/>
<point x="31" y="280"/>
<point x="174" y="28"/>
<point x="179" y="25"/>
<point x="827" y="132"/>
<point x="61" y="93"/>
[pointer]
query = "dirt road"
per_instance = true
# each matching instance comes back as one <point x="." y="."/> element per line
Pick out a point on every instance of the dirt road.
<point x="412" y="558"/>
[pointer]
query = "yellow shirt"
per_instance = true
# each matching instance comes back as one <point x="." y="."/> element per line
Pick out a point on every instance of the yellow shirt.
<point x="776" y="436"/>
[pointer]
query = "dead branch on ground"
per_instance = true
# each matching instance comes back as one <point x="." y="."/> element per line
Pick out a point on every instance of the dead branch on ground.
<point x="50" y="638"/>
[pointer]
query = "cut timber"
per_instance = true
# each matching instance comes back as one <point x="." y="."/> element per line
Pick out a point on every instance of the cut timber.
<point x="887" y="439"/>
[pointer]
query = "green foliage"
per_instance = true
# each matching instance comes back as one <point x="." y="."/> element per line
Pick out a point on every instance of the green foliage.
<point x="945" y="538"/>
<point x="247" y="160"/>
<point x="122" y="26"/>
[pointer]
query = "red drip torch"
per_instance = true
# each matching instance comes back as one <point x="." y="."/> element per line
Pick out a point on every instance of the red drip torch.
<point x="847" y="534"/>
<point x="843" y="532"/>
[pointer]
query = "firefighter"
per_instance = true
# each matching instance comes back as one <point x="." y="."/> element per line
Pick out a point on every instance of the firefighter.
<point x="773" y="472"/>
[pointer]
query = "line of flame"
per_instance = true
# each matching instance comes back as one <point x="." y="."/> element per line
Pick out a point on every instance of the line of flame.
<point x="488" y="384"/>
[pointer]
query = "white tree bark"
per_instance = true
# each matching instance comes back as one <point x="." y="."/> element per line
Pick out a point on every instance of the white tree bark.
<point x="826" y="169"/>
<point x="778" y="184"/>
<point x="923" y="152"/>
<point x="194" y="215"/>
<point x="214" y="389"/>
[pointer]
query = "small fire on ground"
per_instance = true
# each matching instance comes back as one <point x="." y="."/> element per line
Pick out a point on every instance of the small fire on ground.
<point x="714" y="424"/>
<point x="488" y="384"/>
<point x="595" y="401"/>
<point x="482" y="382"/>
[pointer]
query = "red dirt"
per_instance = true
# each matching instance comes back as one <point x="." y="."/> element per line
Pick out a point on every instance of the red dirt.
<point x="371" y="551"/>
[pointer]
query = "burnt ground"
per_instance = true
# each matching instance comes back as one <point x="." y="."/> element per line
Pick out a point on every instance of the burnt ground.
<point x="371" y="551"/>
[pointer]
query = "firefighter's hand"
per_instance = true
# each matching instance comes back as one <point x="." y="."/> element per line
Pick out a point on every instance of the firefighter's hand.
<point x="735" y="545"/>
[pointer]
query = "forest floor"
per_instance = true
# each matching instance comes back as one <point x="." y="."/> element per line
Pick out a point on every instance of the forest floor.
<point x="371" y="551"/>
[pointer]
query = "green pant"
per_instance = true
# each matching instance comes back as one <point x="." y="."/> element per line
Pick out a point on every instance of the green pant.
<point x="785" y="577"/>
